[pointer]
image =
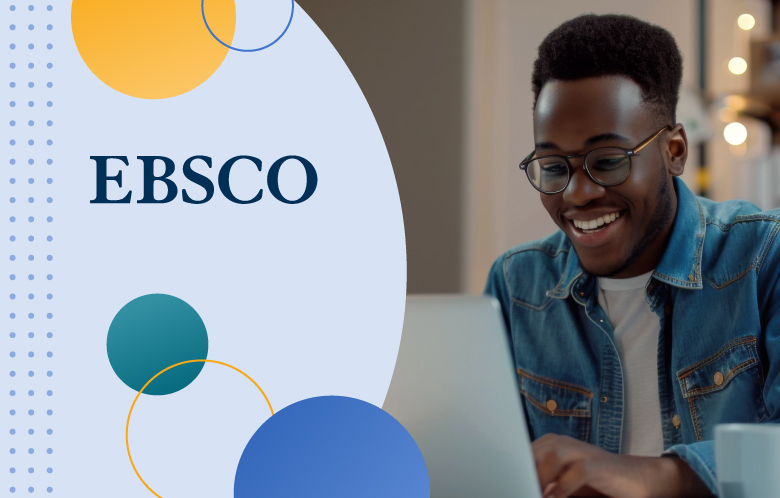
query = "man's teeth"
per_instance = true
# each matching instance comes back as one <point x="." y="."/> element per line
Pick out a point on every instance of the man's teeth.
<point x="595" y="223"/>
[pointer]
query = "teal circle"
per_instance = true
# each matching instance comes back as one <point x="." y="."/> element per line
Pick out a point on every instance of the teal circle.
<point x="151" y="333"/>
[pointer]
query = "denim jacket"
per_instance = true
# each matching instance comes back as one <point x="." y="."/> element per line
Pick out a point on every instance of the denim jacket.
<point x="716" y="291"/>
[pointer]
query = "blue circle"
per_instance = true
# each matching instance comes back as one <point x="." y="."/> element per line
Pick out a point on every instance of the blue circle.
<point x="30" y="8"/>
<point x="49" y="296"/>
<point x="49" y="123"/>
<point x="12" y="296"/>
<point x="12" y="103"/>
<point x="49" y="103"/>
<point x="12" y="199"/>
<point x="49" y="412"/>
<point x="49" y="65"/>
<point x="12" y="412"/>
<point x="49" y="470"/>
<point x="49" y="27"/>
<point x="13" y="85"/>
<point x="30" y="219"/>
<point x="30" y="296"/>
<point x="49" y="181"/>
<point x="31" y="46"/>
<point x="13" y="8"/>
<point x="13" y="219"/>
<point x="13" y="27"/>
<point x="30" y="161"/>
<point x="203" y="13"/>
<point x="12" y="142"/>
<point x="49" y="161"/>
<point x="342" y="447"/>
<point x="12" y="65"/>
<point x="49" y="258"/>
<point x="49" y="46"/>
<point x="30" y="84"/>
<point x="30" y="27"/>
<point x="49" y="335"/>
<point x="49" y="238"/>
<point x="31" y="65"/>
<point x="49" y="84"/>
<point x="30" y="123"/>
<point x="13" y="46"/>
<point x="13" y="374"/>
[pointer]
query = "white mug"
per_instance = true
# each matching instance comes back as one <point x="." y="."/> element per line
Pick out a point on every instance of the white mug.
<point x="747" y="460"/>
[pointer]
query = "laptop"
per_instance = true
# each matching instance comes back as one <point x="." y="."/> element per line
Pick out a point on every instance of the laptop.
<point x="455" y="390"/>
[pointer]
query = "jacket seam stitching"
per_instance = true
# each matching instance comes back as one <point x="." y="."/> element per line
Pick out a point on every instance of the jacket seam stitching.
<point x="557" y="383"/>
<point x="689" y="370"/>
<point x="556" y="412"/>
<point x="695" y="418"/>
<point x="729" y="375"/>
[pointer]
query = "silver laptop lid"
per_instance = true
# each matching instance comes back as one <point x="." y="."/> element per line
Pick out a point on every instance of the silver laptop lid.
<point x="455" y="390"/>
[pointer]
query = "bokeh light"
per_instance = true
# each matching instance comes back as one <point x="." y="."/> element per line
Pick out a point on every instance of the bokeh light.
<point x="746" y="21"/>
<point x="737" y="65"/>
<point x="735" y="133"/>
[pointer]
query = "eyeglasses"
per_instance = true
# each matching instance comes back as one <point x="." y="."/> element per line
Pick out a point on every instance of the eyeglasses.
<point x="607" y="166"/>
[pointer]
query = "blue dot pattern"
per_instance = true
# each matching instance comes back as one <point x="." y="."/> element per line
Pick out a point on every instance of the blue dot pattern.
<point x="29" y="99"/>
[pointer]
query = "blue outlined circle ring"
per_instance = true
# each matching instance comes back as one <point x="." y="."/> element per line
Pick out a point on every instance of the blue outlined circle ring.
<point x="203" y="12"/>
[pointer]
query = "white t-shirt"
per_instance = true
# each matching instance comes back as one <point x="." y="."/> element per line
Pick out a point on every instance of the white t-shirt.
<point x="636" y="329"/>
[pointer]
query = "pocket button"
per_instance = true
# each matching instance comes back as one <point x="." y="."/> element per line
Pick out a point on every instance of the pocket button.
<point x="718" y="378"/>
<point x="676" y="421"/>
<point x="552" y="405"/>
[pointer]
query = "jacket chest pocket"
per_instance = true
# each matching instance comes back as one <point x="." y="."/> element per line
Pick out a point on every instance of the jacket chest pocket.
<point x="724" y="388"/>
<point x="555" y="407"/>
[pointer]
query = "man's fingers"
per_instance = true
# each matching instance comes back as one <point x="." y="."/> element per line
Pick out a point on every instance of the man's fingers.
<point x="569" y="482"/>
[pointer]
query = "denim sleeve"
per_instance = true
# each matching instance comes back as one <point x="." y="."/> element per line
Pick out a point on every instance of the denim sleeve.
<point x="496" y="286"/>
<point x="701" y="458"/>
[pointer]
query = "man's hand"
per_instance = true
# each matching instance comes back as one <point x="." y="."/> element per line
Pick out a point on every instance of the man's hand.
<point x="568" y="467"/>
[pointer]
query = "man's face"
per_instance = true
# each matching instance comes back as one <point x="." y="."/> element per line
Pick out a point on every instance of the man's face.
<point x="574" y="117"/>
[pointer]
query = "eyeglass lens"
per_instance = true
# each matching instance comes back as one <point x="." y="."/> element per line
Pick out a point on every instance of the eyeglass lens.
<point x="607" y="166"/>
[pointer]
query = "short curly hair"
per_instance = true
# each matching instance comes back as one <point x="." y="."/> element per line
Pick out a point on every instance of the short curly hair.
<point x="600" y="45"/>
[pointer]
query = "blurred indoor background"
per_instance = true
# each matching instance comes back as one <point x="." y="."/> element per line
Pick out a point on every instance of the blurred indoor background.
<point x="449" y="84"/>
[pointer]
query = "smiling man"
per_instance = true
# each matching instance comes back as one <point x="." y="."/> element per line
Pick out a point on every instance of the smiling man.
<point x="652" y="315"/>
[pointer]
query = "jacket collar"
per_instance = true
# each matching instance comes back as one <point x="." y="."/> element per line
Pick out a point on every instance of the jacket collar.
<point x="680" y="265"/>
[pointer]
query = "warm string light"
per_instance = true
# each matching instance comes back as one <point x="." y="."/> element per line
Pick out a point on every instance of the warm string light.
<point x="737" y="65"/>
<point x="746" y="22"/>
<point x="735" y="133"/>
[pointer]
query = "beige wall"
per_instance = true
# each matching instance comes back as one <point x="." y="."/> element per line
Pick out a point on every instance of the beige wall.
<point x="407" y="57"/>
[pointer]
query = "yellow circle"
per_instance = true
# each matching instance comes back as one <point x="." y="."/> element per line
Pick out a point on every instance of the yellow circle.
<point x="127" y="426"/>
<point x="746" y="22"/>
<point x="152" y="49"/>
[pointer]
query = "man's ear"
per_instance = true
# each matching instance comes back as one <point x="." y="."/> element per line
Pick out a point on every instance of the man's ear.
<point x="677" y="150"/>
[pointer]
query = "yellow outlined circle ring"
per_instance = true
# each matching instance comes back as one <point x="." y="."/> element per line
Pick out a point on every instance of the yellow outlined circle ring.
<point x="127" y="426"/>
